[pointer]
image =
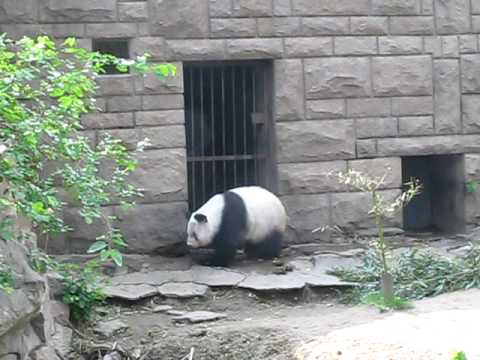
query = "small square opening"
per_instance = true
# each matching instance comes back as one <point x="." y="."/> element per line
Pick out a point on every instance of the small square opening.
<point x="116" y="47"/>
<point x="439" y="208"/>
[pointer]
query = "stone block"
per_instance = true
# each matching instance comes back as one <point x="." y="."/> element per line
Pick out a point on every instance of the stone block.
<point x="150" y="227"/>
<point x="447" y="96"/>
<point x="355" y="45"/>
<point x="327" y="7"/>
<point x="471" y="113"/>
<point x="178" y="18"/>
<point x="402" y="75"/>
<point x="155" y="46"/>
<point x="467" y="44"/>
<point x="337" y="77"/>
<point x="254" y="8"/>
<point x="472" y="208"/>
<point x="325" y="109"/>
<point x="254" y="48"/>
<point x="227" y="28"/>
<point x="371" y="25"/>
<point x="318" y="26"/>
<point x="307" y="213"/>
<point x="412" y="25"/>
<point x="162" y="175"/>
<point x="350" y="210"/>
<point x="417" y="146"/>
<point x="427" y="7"/>
<point x="470" y="74"/>
<point x="452" y="17"/>
<point x="151" y="84"/>
<point x="128" y="137"/>
<point x="450" y="47"/>
<point x="392" y="45"/>
<point x="99" y="120"/>
<point x="59" y="11"/>
<point x="396" y="7"/>
<point x="475" y="7"/>
<point x="366" y="148"/>
<point x="279" y="26"/>
<point x="111" y="30"/>
<point x="476" y="24"/>
<point x="132" y="11"/>
<point x="309" y="178"/>
<point x="220" y="8"/>
<point x="68" y="30"/>
<point x="376" y="127"/>
<point x="390" y="167"/>
<point x="415" y="125"/>
<point x="20" y="11"/>
<point x="308" y="47"/>
<point x="18" y="31"/>
<point x="368" y="107"/>
<point x="421" y="105"/>
<point x="155" y="118"/>
<point x="282" y="8"/>
<point x="162" y="102"/>
<point x="184" y="50"/>
<point x="115" y="85"/>
<point x="123" y="103"/>
<point x="289" y="101"/>
<point x="315" y="140"/>
<point x="433" y="45"/>
<point x="162" y="137"/>
<point x="472" y="167"/>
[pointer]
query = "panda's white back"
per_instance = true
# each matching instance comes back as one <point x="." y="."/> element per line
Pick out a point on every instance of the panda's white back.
<point x="265" y="212"/>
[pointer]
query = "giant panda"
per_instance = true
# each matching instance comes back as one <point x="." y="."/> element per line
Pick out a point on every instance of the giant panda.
<point x="248" y="217"/>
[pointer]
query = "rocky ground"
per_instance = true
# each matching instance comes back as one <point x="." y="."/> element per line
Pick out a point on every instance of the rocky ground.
<point x="164" y="308"/>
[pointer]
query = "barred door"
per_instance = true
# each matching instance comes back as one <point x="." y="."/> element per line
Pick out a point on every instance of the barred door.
<point x="229" y="134"/>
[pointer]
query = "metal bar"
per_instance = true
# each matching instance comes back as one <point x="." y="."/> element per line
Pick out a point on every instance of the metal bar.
<point x="234" y="126"/>
<point x="225" y="158"/>
<point x="245" y="163"/>
<point x="202" y="134"/>
<point x="224" y="144"/>
<point x="254" y="126"/>
<point x="192" y="125"/>
<point x="212" y="111"/>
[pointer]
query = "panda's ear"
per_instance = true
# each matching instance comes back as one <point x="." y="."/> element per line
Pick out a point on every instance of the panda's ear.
<point x="201" y="218"/>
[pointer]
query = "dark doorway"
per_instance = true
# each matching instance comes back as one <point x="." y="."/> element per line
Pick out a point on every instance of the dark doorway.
<point x="440" y="205"/>
<point x="229" y="129"/>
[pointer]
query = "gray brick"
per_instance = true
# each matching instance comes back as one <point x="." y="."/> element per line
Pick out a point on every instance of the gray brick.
<point x="376" y="127"/>
<point x="115" y="85"/>
<point x="128" y="137"/>
<point x="402" y="75"/>
<point x="396" y="7"/>
<point x="314" y="26"/>
<point x="68" y="30"/>
<point x="132" y="11"/>
<point x="433" y="45"/>
<point x="412" y="25"/>
<point x="308" y="47"/>
<point x="450" y="46"/>
<point x="220" y="8"/>
<point x="252" y="8"/>
<point x="415" y="125"/>
<point x="99" y="120"/>
<point x="60" y="11"/>
<point x="355" y="45"/>
<point x="475" y="7"/>
<point x="470" y="74"/>
<point x="178" y="18"/>
<point x="476" y="24"/>
<point x="366" y="148"/>
<point x="391" y="45"/>
<point x="18" y="31"/>
<point x="196" y="49"/>
<point x="368" y="107"/>
<point x="315" y="140"/>
<point x="162" y="102"/>
<point x="151" y="84"/>
<point x="471" y="113"/>
<point x="289" y="99"/>
<point x="420" y="105"/>
<point x="453" y="16"/>
<point x="390" y="167"/>
<point x="244" y="27"/>
<point x="472" y="167"/>
<point x="447" y="96"/>
<point x="163" y="137"/>
<point x="112" y="30"/>
<point x="123" y="103"/>
<point x="254" y="48"/>
<point x="337" y="77"/>
<point x="155" y="46"/>
<point x="467" y="44"/>
<point x="325" y="109"/>
<point x="279" y="26"/>
<point x="327" y="7"/>
<point x="423" y="145"/>
<point x="282" y="8"/>
<point x="155" y="118"/>
<point x="371" y="25"/>
<point x="427" y="7"/>
<point x="20" y="11"/>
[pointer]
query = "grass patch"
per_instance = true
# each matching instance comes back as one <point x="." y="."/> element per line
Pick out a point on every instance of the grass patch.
<point x="417" y="274"/>
<point x="376" y="298"/>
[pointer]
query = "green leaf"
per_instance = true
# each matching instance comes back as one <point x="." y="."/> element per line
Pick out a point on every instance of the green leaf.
<point x="97" y="246"/>
<point x="116" y="257"/>
<point x="38" y="207"/>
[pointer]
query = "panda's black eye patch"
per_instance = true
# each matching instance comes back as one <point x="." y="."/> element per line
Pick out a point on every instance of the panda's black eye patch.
<point x="201" y="218"/>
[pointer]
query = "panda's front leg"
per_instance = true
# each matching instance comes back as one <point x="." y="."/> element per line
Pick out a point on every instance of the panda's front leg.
<point x="223" y="255"/>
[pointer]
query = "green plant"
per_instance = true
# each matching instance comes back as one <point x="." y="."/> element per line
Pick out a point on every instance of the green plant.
<point x="377" y="299"/>
<point x="459" y="356"/>
<point x="7" y="281"/>
<point x="44" y="91"/>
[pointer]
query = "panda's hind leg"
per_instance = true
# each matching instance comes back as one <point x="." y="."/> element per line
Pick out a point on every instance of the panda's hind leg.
<point x="269" y="248"/>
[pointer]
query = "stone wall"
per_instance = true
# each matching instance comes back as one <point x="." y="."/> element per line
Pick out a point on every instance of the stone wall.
<point x="358" y="83"/>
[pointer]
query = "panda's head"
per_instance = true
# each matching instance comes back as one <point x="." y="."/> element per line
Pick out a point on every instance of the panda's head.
<point x="205" y="222"/>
